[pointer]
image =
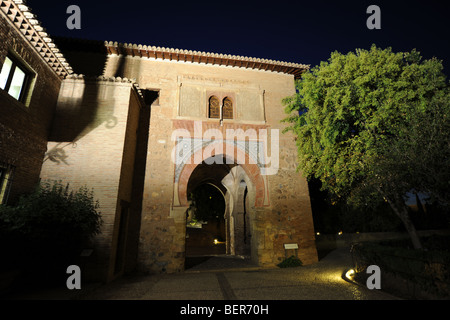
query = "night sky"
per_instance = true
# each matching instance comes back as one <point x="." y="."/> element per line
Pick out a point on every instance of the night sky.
<point x="293" y="31"/>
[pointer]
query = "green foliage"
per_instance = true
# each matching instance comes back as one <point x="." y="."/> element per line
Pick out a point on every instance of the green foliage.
<point x="349" y="110"/>
<point x="290" y="262"/>
<point x="51" y="221"/>
<point x="419" y="158"/>
<point x="372" y="126"/>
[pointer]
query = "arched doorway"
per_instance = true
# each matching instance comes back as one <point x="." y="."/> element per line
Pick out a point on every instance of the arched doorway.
<point x="232" y="168"/>
<point x="205" y="222"/>
<point x="227" y="192"/>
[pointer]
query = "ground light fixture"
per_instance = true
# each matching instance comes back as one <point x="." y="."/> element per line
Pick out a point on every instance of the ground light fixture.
<point x="350" y="274"/>
<point x="216" y="241"/>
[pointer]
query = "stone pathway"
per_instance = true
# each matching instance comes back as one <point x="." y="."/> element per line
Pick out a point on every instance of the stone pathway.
<point x="219" y="279"/>
<point x="226" y="278"/>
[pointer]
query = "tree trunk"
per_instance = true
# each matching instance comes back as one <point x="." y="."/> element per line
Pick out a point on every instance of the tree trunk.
<point x="401" y="211"/>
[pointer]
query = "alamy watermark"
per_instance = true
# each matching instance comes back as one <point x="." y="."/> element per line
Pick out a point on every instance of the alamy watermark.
<point x="374" y="20"/>
<point x="374" y="280"/>
<point x="74" y="280"/>
<point x="74" y="20"/>
<point x="214" y="146"/>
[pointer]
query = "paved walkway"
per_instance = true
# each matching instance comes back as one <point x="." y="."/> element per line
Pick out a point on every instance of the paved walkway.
<point x="221" y="279"/>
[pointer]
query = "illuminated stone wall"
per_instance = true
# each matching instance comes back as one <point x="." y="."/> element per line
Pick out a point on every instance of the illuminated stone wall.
<point x="284" y="213"/>
<point x="93" y="143"/>
<point x="100" y="132"/>
<point x="90" y="129"/>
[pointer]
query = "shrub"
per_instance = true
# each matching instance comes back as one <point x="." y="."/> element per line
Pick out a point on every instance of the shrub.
<point x="290" y="262"/>
<point x="50" y="223"/>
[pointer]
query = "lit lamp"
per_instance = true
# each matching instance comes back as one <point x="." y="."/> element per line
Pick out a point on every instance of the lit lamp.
<point x="349" y="274"/>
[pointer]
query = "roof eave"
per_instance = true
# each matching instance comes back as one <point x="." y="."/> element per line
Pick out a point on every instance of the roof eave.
<point x="171" y="54"/>
<point x="20" y="17"/>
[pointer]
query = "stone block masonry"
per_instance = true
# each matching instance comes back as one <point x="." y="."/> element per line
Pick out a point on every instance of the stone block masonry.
<point x="280" y="210"/>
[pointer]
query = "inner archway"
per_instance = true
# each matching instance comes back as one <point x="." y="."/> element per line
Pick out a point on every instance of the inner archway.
<point x="243" y="190"/>
<point x="206" y="234"/>
<point x="205" y="222"/>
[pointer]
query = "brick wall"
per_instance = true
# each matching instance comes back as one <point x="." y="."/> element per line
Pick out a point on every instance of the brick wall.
<point x="24" y="129"/>
<point x="93" y="143"/>
<point x="286" y="215"/>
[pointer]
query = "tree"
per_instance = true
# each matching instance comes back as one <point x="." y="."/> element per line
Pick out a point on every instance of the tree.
<point x="348" y="114"/>
<point x="419" y="159"/>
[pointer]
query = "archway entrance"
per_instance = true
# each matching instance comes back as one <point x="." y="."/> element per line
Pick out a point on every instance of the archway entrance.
<point x="205" y="223"/>
<point x="218" y="221"/>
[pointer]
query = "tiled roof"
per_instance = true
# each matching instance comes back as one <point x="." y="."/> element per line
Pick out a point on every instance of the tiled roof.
<point x="205" y="57"/>
<point x="20" y="15"/>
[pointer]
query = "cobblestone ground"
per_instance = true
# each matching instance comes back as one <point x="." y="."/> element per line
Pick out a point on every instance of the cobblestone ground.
<point x="216" y="280"/>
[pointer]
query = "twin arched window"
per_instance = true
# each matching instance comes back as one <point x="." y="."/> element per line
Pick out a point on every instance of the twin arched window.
<point x="214" y="108"/>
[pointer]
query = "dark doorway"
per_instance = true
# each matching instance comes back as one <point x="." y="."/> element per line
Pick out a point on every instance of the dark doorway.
<point x="205" y="223"/>
<point x="121" y="242"/>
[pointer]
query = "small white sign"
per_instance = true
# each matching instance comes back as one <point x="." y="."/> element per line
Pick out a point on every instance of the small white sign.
<point x="291" y="246"/>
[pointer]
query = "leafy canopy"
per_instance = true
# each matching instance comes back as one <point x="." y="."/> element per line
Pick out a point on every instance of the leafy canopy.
<point x="349" y="109"/>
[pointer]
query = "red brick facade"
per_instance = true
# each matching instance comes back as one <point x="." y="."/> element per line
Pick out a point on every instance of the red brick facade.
<point x="24" y="127"/>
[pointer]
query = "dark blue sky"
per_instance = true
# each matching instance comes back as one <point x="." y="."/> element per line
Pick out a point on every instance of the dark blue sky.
<point x="294" y="31"/>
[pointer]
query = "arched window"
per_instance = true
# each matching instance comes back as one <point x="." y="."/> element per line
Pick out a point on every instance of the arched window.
<point x="214" y="107"/>
<point x="227" y="109"/>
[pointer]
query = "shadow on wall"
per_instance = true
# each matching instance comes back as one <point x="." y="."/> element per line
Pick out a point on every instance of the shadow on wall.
<point x="86" y="57"/>
<point x="57" y="154"/>
<point x="86" y="104"/>
<point x="77" y="112"/>
<point x="82" y="110"/>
